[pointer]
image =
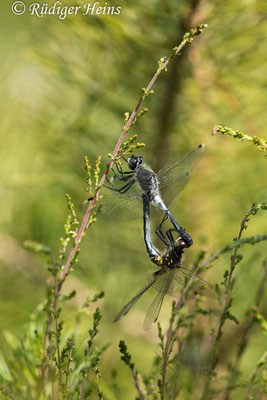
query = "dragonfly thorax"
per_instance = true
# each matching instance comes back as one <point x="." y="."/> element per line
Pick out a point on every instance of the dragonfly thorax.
<point x="172" y="258"/>
<point x="148" y="181"/>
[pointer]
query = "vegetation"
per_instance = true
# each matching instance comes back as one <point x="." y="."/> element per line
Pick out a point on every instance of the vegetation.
<point x="67" y="89"/>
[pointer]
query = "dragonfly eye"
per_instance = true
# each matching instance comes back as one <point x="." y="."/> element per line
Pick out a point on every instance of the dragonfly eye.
<point x="182" y="244"/>
<point x="132" y="162"/>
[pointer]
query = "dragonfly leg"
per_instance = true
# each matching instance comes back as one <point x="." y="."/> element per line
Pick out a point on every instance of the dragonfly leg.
<point x="184" y="235"/>
<point x="121" y="190"/>
<point x="171" y="239"/>
<point x="110" y="183"/>
<point x="159" y="232"/>
<point x="122" y="178"/>
<point x="126" y="187"/>
<point x="120" y="170"/>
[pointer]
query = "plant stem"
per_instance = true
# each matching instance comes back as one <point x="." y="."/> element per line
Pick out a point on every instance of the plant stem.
<point x="68" y="370"/>
<point x="43" y="367"/>
<point x="137" y="385"/>
<point x="259" y="142"/>
<point x="99" y="393"/>
<point x="93" y="333"/>
<point x="178" y="306"/>
<point x="260" y="363"/>
<point x="218" y="336"/>
<point x="238" y="243"/>
<point x="244" y="334"/>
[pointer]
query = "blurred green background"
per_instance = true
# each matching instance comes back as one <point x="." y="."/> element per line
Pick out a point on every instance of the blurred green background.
<point x="65" y="85"/>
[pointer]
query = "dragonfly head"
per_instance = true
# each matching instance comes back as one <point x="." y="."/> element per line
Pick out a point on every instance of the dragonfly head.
<point x="178" y="247"/>
<point x="135" y="161"/>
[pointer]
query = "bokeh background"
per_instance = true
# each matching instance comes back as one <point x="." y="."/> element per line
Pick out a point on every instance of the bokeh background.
<point x="65" y="85"/>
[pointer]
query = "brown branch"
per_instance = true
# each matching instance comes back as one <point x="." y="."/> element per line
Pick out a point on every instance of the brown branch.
<point x="137" y="385"/>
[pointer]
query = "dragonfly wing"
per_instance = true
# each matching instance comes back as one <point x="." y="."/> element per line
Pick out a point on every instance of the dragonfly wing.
<point x="120" y="207"/>
<point x="131" y="303"/>
<point x="182" y="275"/>
<point x="154" y="309"/>
<point x="173" y="178"/>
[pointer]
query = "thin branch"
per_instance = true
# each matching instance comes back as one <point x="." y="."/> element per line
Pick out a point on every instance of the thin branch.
<point x="249" y="323"/>
<point x="68" y="369"/>
<point x="43" y="366"/>
<point x="89" y="351"/>
<point x="166" y="350"/>
<point x="259" y="142"/>
<point x="244" y="333"/>
<point x="137" y="384"/>
<point x="238" y="243"/>
<point x="223" y="318"/>
<point x="93" y="332"/>
<point x="260" y="363"/>
<point x="126" y="358"/>
<point x="5" y="390"/>
<point x="99" y="392"/>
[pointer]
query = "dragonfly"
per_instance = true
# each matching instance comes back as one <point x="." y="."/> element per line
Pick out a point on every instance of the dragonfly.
<point x="169" y="273"/>
<point x="125" y="202"/>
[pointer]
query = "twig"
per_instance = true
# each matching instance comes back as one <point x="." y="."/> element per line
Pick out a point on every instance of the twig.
<point x="47" y="333"/>
<point x="43" y="367"/>
<point x="223" y="317"/>
<point x="93" y="332"/>
<point x="259" y="142"/>
<point x="99" y="392"/>
<point x="244" y="334"/>
<point x="126" y="357"/>
<point x="5" y="389"/>
<point x="178" y="306"/>
<point x="87" y="355"/>
<point x="137" y="385"/>
<point x="238" y="243"/>
<point x="68" y="368"/>
<point x="248" y="325"/>
<point x="260" y="363"/>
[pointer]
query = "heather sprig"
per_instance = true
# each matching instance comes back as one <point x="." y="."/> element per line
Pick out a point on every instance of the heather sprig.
<point x="259" y="142"/>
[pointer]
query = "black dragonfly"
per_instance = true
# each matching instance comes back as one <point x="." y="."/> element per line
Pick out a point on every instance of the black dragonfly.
<point x="170" y="272"/>
<point x="161" y="188"/>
